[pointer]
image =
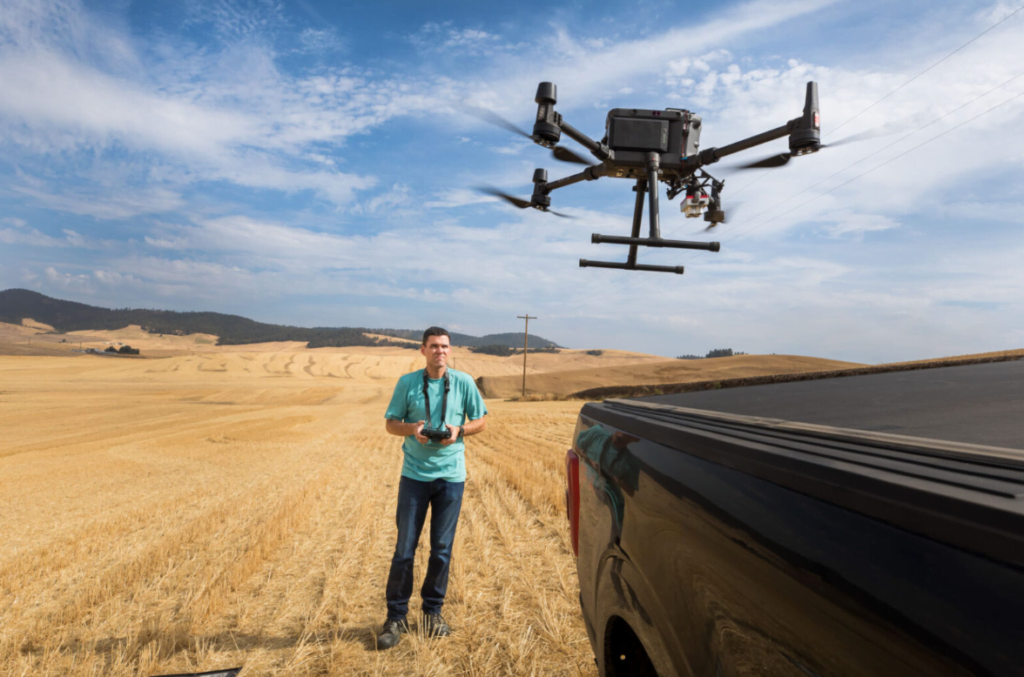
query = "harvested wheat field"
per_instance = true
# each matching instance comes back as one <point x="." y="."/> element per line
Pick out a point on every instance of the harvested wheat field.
<point x="234" y="506"/>
<point x="556" y="383"/>
<point x="237" y="508"/>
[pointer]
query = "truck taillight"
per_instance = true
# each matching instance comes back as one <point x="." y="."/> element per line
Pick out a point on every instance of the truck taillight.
<point x="572" y="498"/>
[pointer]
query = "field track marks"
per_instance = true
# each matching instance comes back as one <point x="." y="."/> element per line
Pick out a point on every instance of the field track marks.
<point x="38" y="567"/>
<point x="329" y="607"/>
<point x="188" y="569"/>
<point x="312" y="602"/>
<point x="512" y="583"/>
<point x="117" y="431"/>
<point x="270" y="359"/>
<point x="220" y="364"/>
<point x="528" y="453"/>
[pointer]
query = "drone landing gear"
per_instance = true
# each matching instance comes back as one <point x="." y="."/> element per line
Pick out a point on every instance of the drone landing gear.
<point x="655" y="239"/>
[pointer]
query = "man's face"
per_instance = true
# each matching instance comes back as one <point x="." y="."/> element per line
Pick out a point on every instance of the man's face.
<point x="436" y="351"/>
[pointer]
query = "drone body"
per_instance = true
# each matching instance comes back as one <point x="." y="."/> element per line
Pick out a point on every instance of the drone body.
<point x="649" y="146"/>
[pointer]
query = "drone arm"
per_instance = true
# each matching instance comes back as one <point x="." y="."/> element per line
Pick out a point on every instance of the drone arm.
<point x="588" y="174"/>
<point x="756" y="140"/>
<point x="804" y="135"/>
<point x="548" y="128"/>
<point x="600" y="151"/>
<point x="712" y="155"/>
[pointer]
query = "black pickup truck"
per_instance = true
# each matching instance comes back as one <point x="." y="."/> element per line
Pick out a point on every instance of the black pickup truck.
<point x="867" y="525"/>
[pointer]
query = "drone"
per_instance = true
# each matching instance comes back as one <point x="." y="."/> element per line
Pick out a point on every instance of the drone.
<point x="648" y="146"/>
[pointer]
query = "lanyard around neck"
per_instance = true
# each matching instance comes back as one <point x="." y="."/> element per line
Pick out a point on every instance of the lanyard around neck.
<point x="444" y="399"/>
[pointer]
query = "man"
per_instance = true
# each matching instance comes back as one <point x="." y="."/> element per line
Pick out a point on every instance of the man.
<point x="433" y="474"/>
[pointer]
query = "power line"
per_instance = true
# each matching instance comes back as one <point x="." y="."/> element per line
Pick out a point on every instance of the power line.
<point x="908" y="151"/>
<point x="886" y="147"/>
<point x="961" y="47"/>
<point x="526" y="345"/>
<point x="990" y="28"/>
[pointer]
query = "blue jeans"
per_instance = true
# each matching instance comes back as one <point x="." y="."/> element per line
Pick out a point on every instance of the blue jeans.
<point x="445" y="501"/>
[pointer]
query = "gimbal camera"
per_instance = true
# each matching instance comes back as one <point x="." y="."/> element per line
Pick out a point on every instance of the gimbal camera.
<point x="648" y="146"/>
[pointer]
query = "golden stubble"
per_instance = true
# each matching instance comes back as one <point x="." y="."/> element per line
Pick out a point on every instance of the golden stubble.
<point x="218" y="509"/>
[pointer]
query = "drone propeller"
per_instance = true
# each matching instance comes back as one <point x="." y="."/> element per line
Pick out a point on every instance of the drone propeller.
<point x="769" y="162"/>
<point x="711" y="226"/>
<point x="518" y="202"/>
<point x="565" y="155"/>
<point x="560" y="152"/>
<point x="511" y="199"/>
<point x="730" y="217"/>
<point x="781" y="159"/>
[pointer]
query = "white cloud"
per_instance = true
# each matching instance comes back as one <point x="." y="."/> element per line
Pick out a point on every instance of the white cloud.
<point x="110" y="204"/>
<point x="233" y="117"/>
<point x="73" y="238"/>
<point x="21" y="234"/>
<point x="446" y="37"/>
<point x="394" y="197"/>
<point x="238" y="20"/>
<point x="28" y="236"/>
<point x="68" y="281"/>
<point x="868" y="270"/>
<point x="114" y="279"/>
<point x="851" y="223"/>
<point x="321" y="41"/>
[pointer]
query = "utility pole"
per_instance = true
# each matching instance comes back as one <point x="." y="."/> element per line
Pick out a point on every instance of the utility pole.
<point x="526" y="345"/>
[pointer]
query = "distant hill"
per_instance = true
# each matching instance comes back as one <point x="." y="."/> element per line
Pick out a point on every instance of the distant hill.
<point x="65" y="316"/>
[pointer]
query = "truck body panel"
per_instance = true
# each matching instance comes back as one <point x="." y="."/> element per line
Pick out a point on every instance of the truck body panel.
<point x="735" y="544"/>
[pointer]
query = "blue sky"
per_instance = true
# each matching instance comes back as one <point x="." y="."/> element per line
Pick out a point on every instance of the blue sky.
<point x="309" y="163"/>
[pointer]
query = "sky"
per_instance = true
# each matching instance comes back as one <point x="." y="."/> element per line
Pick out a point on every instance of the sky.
<point x="315" y="164"/>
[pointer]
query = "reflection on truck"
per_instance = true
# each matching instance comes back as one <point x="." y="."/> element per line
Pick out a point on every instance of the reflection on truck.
<point x="611" y="468"/>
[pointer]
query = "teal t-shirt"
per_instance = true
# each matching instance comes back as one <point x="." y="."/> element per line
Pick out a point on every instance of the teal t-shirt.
<point x="431" y="461"/>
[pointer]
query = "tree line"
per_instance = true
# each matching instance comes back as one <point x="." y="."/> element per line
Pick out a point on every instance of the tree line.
<point x="505" y="351"/>
<point x="717" y="352"/>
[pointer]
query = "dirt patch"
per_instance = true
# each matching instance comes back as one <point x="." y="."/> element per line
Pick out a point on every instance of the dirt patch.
<point x="29" y="322"/>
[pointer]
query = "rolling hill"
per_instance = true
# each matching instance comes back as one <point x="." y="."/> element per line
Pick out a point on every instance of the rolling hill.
<point x="16" y="305"/>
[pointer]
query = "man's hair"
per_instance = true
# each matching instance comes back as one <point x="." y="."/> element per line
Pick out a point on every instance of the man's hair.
<point x="435" y="331"/>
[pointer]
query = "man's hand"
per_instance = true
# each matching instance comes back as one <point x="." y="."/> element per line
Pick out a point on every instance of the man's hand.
<point x="454" y="436"/>
<point x="403" y="429"/>
<point x="418" y="433"/>
<point x="469" y="428"/>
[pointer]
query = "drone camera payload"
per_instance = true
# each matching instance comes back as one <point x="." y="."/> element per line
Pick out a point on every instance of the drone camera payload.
<point x="648" y="147"/>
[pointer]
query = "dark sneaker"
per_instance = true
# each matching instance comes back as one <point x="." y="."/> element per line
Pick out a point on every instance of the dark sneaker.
<point x="392" y="633"/>
<point x="434" y="626"/>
